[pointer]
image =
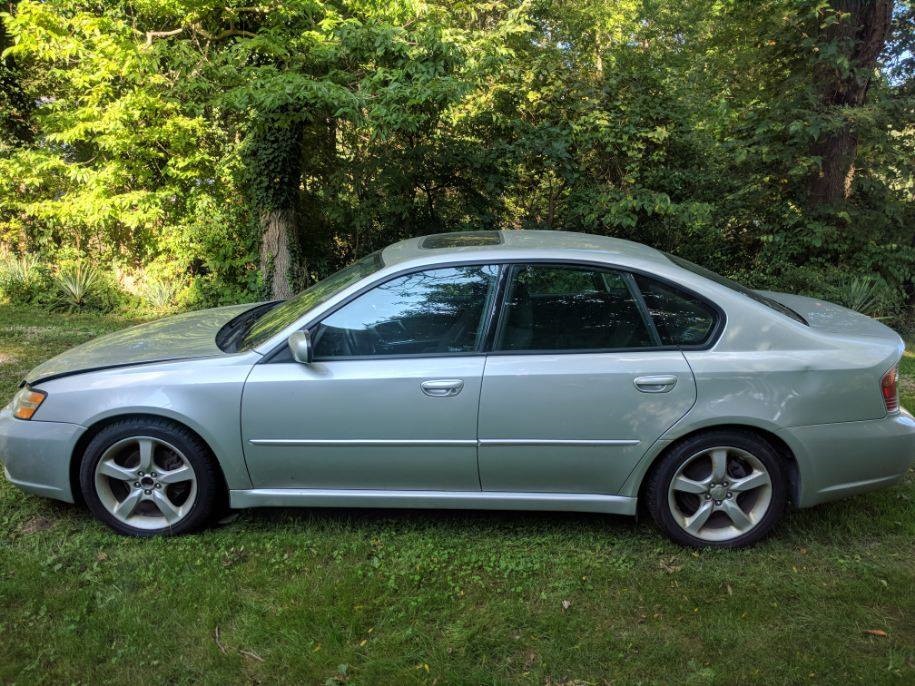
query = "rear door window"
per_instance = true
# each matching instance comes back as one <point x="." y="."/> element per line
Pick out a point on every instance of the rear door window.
<point x="680" y="318"/>
<point x="566" y="307"/>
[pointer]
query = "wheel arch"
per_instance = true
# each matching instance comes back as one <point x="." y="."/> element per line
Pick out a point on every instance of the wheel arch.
<point x="99" y="425"/>
<point x="639" y="479"/>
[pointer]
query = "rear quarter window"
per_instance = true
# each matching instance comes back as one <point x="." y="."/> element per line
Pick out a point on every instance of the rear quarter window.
<point x="680" y="318"/>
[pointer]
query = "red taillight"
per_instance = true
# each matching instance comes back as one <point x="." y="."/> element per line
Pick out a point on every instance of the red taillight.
<point x="888" y="385"/>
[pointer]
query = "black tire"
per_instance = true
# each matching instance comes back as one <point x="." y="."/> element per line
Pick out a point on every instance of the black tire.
<point x="208" y="482"/>
<point x="657" y="489"/>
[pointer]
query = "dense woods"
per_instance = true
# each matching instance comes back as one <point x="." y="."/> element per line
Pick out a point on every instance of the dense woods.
<point x="179" y="153"/>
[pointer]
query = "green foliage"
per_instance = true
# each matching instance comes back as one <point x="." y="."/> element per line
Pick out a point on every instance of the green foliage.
<point x="22" y="280"/>
<point x="76" y="284"/>
<point x="153" y="134"/>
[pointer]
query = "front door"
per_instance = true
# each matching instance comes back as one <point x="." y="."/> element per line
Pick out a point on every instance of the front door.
<point x="579" y="384"/>
<point x="391" y="399"/>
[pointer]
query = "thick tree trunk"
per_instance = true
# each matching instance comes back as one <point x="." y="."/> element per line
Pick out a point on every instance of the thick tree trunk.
<point x="276" y="257"/>
<point x="861" y="34"/>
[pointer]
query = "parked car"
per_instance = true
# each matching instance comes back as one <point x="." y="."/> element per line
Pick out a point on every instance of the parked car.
<point x="528" y="370"/>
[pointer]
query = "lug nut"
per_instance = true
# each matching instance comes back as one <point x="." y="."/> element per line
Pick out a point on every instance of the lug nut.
<point x="139" y="473"/>
<point x="707" y="496"/>
<point x="160" y="486"/>
<point x="136" y="483"/>
<point x="730" y="495"/>
<point x="153" y="475"/>
<point x="147" y="492"/>
<point x="718" y="502"/>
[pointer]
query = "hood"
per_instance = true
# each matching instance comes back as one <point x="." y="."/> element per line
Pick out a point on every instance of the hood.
<point x="182" y="336"/>
<point x="827" y="317"/>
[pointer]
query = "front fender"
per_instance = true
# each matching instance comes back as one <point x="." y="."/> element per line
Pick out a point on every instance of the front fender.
<point x="204" y="395"/>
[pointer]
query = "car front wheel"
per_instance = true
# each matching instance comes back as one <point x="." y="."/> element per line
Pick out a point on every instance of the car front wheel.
<point x="722" y="489"/>
<point x="144" y="477"/>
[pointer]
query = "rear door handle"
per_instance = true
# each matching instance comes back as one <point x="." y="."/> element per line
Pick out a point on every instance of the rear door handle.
<point x="661" y="383"/>
<point x="442" y="388"/>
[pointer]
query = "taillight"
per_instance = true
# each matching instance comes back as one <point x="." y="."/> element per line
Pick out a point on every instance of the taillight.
<point x="889" y="386"/>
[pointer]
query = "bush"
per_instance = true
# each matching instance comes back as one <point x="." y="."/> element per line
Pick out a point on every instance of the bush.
<point x="23" y="280"/>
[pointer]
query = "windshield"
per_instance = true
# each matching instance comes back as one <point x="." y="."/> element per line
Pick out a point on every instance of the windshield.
<point x="286" y="313"/>
<point x="733" y="285"/>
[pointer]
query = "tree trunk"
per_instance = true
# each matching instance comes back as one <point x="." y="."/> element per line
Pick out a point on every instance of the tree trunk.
<point x="860" y="34"/>
<point x="275" y="257"/>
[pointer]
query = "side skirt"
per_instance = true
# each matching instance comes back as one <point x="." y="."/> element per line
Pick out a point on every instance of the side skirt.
<point x="454" y="500"/>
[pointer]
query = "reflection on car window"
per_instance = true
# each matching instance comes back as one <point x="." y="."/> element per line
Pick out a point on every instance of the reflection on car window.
<point x="431" y="312"/>
<point x="680" y="319"/>
<point x="570" y="308"/>
<point x="733" y="285"/>
<point x="295" y="308"/>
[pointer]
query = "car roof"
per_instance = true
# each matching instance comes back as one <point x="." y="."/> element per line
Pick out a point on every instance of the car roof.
<point x="517" y="244"/>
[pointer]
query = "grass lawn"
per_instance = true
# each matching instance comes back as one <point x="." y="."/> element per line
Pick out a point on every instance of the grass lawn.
<point x="400" y="597"/>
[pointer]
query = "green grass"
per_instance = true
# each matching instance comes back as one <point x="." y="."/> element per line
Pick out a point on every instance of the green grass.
<point x="398" y="597"/>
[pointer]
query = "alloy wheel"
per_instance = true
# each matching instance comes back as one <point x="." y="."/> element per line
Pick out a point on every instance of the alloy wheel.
<point x="145" y="482"/>
<point x="720" y="493"/>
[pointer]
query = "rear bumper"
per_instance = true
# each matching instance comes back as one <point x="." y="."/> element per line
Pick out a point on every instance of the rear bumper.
<point x="838" y="460"/>
<point x="36" y="455"/>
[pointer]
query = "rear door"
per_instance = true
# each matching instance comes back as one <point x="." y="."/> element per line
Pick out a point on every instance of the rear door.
<point x="579" y="382"/>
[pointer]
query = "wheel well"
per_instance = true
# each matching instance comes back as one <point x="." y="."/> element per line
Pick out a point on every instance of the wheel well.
<point x="789" y="462"/>
<point x="93" y="431"/>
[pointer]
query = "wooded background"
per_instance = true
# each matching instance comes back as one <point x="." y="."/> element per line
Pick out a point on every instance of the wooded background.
<point x="182" y="153"/>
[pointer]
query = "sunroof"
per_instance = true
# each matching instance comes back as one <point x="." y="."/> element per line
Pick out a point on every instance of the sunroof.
<point x="462" y="239"/>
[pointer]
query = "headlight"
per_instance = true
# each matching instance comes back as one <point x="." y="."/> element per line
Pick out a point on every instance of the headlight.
<point x="26" y="402"/>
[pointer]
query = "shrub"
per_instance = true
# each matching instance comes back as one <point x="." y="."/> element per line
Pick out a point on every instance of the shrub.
<point x="75" y="285"/>
<point x="22" y="279"/>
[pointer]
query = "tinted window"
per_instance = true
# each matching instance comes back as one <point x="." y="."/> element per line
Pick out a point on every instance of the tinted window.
<point x="679" y="318"/>
<point x="570" y="308"/>
<point x="435" y="311"/>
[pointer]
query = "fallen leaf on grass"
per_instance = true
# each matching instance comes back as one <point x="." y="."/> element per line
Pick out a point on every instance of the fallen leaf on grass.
<point x="566" y="604"/>
<point x="670" y="566"/>
<point x="876" y="632"/>
<point x="36" y="524"/>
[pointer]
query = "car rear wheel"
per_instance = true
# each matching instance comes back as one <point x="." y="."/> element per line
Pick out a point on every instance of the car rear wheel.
<point x="722" y="489"/>
<point x="144" y="477"/>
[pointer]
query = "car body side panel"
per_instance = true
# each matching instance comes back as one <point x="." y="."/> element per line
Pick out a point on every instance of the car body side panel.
<point x="842" y="459"/>
<point x="574" y="423"/>
<point x="363" y="424"/>
<point x="204" y="395"/>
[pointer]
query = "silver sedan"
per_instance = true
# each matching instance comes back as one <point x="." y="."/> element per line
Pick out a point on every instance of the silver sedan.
<point x="501" y="370"/>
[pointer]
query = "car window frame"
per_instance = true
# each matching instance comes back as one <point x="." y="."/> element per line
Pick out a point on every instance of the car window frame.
<point x="282" y="354"/>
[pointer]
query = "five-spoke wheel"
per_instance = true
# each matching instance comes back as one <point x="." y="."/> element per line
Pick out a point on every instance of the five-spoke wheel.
<point x="148" y="476"/>
<point x="722" y="488"/>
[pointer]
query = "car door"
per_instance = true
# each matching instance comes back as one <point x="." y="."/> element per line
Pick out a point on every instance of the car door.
<point x="579" y="383"/>
<point x="390" y="400"/>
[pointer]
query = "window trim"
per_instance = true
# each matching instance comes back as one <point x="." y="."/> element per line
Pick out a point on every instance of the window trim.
<point x="505" y="266"/>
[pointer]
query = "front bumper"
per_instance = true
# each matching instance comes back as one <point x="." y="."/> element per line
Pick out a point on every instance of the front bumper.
<point x="838" y="460"/>
<point x="36" y="455"/>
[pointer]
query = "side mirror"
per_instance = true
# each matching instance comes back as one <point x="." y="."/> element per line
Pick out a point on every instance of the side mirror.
<point x="300" y="345"/>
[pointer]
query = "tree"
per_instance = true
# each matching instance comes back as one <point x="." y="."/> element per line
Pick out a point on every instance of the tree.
<point x="854" y="33"/>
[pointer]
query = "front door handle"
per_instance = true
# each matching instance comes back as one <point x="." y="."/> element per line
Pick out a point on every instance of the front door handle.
<point x="442" y="388"/>
<point x="661" y="383"/>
